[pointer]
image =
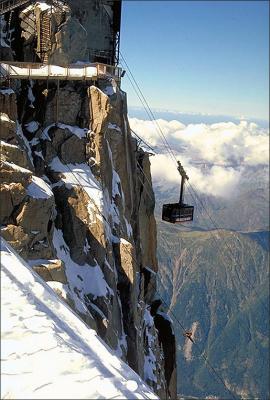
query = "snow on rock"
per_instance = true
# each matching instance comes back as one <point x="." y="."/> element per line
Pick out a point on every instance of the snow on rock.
<point x="45" y="133"/>
<point x="116" y="184"/>
<point x="7" y="91"/>
<point x="84" y="279"/>
<point x="25" y="141"/>
<point x="43" y="6"/>
<point x="40" y="261"/>
<point x="3" y="33"/>
<point x="38" y="189"/>
<point x="124" y="241"/>
<point x="114" y="127"/>
<point x="39" y="154"/>
<point x="59" y="287"/>
<point x="122" y="345"/>
<point x="50" y="353"/>
<point x="3" y="143"/>
<point x="4" y="117"/>
<point x="16" y="167"/>
<point x="109" y="90"/>
<point x="150" y="360"/>
<point x="79" y="175"/>
<point x="148" y="319"/>
<point x="32" y="126"/>
<point x="79" y="132"/>
<point x="34" y="141"/>
<point x="129" y="228"/>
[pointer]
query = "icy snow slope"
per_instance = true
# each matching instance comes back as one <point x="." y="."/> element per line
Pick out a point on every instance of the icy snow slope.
<point x="47" y="351"/>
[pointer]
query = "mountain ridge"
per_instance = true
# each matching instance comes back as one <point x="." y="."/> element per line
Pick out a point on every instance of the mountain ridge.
<point x="206" y="291"/>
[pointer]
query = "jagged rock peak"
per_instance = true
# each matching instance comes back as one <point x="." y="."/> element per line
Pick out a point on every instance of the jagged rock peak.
<point x="76" y="205"/>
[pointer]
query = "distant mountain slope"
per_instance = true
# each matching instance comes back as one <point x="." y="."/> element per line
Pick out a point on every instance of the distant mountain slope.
<point x="47" y="351"/>
<point x="224" y="301"/>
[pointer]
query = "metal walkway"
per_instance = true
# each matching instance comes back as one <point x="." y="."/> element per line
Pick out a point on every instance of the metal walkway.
<point x="94" y="71"/>
<point x="9" y="5"/>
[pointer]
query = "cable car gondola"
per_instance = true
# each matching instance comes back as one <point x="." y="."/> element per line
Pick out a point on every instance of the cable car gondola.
<point x="178" y="212"/>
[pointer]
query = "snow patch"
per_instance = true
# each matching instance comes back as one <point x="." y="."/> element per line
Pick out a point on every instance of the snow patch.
<point x="38" y="189"/>
<point x="79" y="175"/>
<point x="114" y="127"/>
<point x="116" y="183"/>
<point x="79" y="132"/>
<point x="32" y="126"/>
<point x="16" y="167"/>
<point x="59" y="287"/>
<point x="5" y="144"/>
<point x="84" y="279"/>
<point x="149" y="359"/>
<point x="124" y="241"/>
<point x="122" y="344"/>
<point x="39" y="154"/>
<point x="129" y="228"/>
<point x="6" y="91"/>
<point x="34" y="141"/>
<point x="40" y="330"/>
<point x="5" y="118"/>
<point x="41" y="261"/>
<point x="109" y="90"/>
<point x="3" y="33"/>
<point x="26" y="143"/>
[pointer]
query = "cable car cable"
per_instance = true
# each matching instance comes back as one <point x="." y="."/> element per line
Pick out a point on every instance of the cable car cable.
<point x="173" y="156"/>
<point x="184" y="330"/>
<point x="150" y="114"/>
<point x="181" y="325"/>
<point x="179" y="322"/>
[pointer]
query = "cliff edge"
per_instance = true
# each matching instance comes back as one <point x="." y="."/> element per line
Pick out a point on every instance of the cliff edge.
<point x="77" y="201"/>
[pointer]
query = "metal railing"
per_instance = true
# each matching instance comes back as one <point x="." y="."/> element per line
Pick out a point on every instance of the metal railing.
<point x="88" y="71"/>
<point x="108" y="70"/>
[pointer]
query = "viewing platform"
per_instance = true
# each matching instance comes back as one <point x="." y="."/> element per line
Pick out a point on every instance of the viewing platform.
<point x="81" y="72"/>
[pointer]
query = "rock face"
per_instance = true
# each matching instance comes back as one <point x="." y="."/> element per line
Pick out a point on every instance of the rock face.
<point x="79" y="205"/>
<point x="70" y="43"/>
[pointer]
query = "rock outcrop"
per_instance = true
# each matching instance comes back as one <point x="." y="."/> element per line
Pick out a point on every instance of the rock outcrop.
<point x="79" y="204"/>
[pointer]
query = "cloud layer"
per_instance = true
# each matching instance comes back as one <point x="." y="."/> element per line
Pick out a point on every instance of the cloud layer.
<point x="215" y="156"/>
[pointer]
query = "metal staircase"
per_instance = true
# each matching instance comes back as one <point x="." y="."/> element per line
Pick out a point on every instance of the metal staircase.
<point x="45" y="37"/>
<point x="9" y="5"/>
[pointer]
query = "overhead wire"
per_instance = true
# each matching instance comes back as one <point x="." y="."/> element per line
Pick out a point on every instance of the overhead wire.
<point x="217" y="375"/>
<point x="182" y="326"/>
<point x="178" y="321"/>
<point x="149" y="109"/>
<point x="191" y="189"/>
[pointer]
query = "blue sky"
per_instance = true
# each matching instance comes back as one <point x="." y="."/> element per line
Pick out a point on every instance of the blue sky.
<point x="199" y="56"/>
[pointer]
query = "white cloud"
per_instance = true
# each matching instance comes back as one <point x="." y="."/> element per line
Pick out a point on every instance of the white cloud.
<point x="215" y="156"/>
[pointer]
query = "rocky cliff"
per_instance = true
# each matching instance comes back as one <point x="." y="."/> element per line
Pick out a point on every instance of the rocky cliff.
<point x="74" y="203"/>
